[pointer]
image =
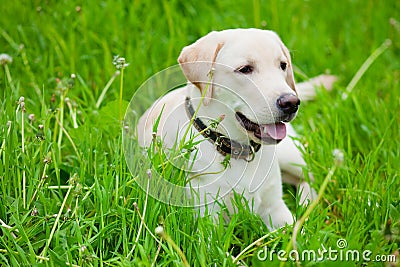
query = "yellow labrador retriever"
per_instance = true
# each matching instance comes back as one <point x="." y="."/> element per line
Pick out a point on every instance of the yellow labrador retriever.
<point x="238" y="102"/>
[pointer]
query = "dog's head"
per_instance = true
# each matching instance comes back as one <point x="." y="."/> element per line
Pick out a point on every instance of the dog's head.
<point x="251" y="73"/>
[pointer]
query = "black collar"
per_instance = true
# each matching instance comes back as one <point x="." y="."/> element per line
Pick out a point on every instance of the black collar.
<point x="223" y="144"/>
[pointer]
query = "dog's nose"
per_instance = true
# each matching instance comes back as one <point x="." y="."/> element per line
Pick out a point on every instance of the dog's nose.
<point x="288" y="103"/>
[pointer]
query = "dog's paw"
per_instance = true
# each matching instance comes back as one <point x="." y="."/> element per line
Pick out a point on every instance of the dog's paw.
<point x="325" y="80"/>
<point x="278" y="216"/>
<point x="307" y="89"/>
<point x="306" y="193"/>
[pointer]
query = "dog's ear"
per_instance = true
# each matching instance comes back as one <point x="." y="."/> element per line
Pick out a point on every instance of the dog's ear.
<point x="289" y="75"/>
<point x="197" y="61"/>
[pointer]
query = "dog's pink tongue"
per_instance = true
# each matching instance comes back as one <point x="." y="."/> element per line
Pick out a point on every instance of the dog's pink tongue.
<point x="276" y="131"/>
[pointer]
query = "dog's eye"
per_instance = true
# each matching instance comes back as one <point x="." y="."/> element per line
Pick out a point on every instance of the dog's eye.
<point x="247" y="69"/>
<point x="283" y="65"/>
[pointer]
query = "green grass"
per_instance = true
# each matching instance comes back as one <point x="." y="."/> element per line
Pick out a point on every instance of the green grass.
<point x="66" y="194"/>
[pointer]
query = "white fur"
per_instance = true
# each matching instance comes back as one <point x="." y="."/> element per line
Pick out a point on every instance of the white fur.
<point x="254" y="95"/>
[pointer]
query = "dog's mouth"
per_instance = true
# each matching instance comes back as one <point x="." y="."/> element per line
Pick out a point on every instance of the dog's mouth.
<point x="271" y="133"/>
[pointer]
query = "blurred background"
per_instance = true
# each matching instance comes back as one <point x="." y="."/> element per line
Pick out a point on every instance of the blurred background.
<point x="63" y="37"/>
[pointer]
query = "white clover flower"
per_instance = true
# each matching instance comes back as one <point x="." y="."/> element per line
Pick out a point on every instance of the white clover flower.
<point x="120" y="62"/>
<point x="34" y="212"/>
<point x="159" y="230"/>
<point x="338" y="156"/>
<point x="31" y="117"/>
<point x="5" y="59"/>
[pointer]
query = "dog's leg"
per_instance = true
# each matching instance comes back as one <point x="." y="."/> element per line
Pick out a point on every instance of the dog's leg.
<point x="307" y="90"/>
<point x="291" y="162"/>
<point x="289" y="156"/>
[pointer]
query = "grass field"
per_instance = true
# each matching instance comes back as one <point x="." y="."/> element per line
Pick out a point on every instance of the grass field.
<point x="66" y="194"/>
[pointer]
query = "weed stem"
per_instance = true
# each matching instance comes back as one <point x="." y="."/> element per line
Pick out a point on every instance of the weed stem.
<point x="41" y="182"/>
<point x="121" y="92"/>
<point x="8" y="74"/>
<point x="365" y="66"/>
<point x="141" y="222"/>
<point x="22" y="105"/>
<point x="238" y="257"/>
<point x="43" y="254"/>
<point x="105" y="89"/>
<point x="160" y="231"/>
<point x="299" y="224"/>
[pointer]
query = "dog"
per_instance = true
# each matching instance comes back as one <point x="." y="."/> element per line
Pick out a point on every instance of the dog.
<point x="237" y="105"/>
